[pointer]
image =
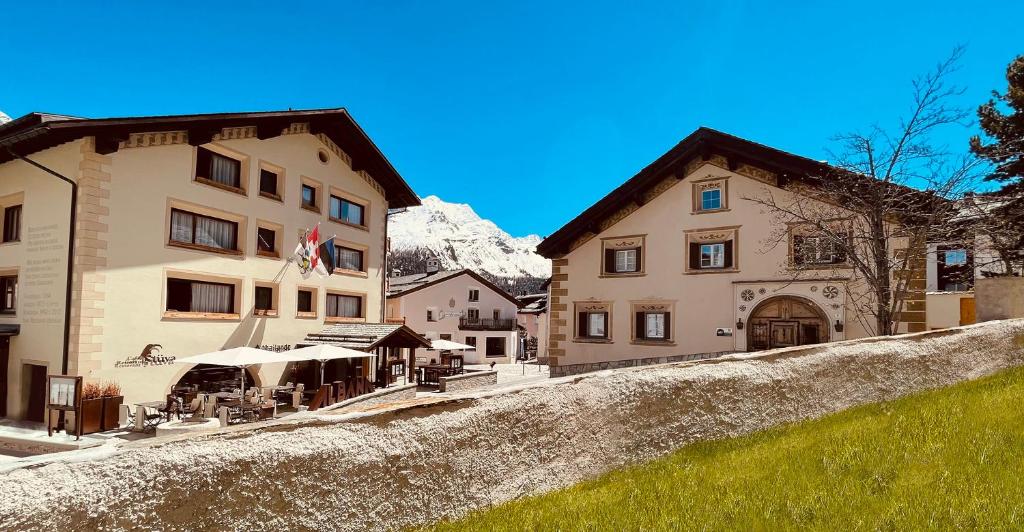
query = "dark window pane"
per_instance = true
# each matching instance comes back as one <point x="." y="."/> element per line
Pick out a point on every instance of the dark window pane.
<point x="197" y="296"/>
<point x="12" y="223"/>
<point x="264" y="298"/>
<point x="8" y="294"/>
<point x="305" y="301"/>
<point x="268" y="182"/>
<point x="265" y="240"/>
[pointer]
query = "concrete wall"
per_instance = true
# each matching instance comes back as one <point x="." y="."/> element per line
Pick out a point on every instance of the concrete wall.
<point x="944" y="309"/>
<point x="509" y="445"/>
<point x="450" y="300"/>
<point x="999" y="298"/>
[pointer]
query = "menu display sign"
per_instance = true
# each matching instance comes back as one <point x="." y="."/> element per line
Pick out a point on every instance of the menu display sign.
<point x="62" y="391"/>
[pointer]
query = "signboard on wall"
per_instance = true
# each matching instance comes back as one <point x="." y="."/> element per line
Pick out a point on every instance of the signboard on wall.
<point x="723" y="331"/>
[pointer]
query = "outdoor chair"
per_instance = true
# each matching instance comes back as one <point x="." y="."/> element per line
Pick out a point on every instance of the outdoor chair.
<point x="149" y="420"/>
<point x="194" y="408"/>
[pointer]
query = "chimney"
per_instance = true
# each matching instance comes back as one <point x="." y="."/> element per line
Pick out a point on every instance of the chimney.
<point x="433" y="266"/>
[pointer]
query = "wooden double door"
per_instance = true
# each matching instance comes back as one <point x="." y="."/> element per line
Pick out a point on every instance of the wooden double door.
<point x="786" y="322"/>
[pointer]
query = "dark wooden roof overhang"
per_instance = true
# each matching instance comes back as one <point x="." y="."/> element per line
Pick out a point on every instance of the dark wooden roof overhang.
<point x="38" y="131"/>
<point x="704" y="144"/>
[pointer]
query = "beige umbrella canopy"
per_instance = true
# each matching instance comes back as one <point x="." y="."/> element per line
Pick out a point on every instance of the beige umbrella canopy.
<point x="322" y="353"/>
<point x="238" y="357"/>
<point x="448" y="345"/>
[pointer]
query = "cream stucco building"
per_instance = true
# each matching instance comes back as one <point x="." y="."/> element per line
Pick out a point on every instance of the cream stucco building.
<point x="458" y="305"/>
<point x="678" y="263"/>
<point x="183" y="227"/>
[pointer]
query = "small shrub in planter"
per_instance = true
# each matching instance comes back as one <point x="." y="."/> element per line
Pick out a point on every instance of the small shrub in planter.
<point x="112" y="400"/>
<point x="92" y="408"/>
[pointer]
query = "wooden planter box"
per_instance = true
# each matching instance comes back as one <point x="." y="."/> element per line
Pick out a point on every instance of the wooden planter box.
<point x="111" y="412"/>
<point x="92" y="415"/>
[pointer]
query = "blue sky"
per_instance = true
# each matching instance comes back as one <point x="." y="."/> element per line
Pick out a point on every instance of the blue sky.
<point x="529" y="111"/>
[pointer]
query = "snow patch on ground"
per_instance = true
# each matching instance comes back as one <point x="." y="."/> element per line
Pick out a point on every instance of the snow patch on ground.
<point x="444" y="458"/>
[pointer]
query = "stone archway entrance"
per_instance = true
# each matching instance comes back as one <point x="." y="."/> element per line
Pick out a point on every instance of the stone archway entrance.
<point x="785" y="321"/>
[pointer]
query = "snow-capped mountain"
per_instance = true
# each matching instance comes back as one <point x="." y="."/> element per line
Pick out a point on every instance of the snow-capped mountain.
<point x="459" y="238"/>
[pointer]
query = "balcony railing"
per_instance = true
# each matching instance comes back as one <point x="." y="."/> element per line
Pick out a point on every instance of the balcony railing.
<point x="485" y="324"/>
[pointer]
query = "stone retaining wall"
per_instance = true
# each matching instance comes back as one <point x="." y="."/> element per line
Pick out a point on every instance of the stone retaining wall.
<point x="510" y="443"/>
<point x="469" y="380"/>
<point x="379" y="396"/>
<point x="576" y="369"/>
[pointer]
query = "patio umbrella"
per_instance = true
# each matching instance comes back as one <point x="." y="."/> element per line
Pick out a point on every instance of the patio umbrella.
<point x="322" y="353"/>
<point x="238" y="357"/>
<point x="448" y="345"/>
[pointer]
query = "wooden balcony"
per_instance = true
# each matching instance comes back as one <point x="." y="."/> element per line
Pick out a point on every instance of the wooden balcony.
<point x="485" y="324"/>
<point x="395" y="321"/>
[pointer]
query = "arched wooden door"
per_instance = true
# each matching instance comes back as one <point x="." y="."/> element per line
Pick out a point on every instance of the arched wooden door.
<point x="785" y="321"/>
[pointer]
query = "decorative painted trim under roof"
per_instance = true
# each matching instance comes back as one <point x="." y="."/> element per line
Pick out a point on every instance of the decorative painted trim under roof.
<point x="334" y="127"/>
<point x="702" y="146"/>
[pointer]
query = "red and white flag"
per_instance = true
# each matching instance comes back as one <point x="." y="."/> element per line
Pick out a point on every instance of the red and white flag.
<point x="307" y="253"/>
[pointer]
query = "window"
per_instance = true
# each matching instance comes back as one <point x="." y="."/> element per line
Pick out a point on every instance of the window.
<point x="953" y="257"/>
<point x="304" y="302"/>
<point x="622" y="255"/>
<point x="12" y="223"/>
<point x="495" y="347"/>
<point x="348" y="258"/>
<point x="268" y="183"/>
<point x="496" y="314"/>
<point x="184" y="295"/>
<point x="625" y="260"/>
<point x="266" y="241"/>
<point x="711" y="199"/>
<point x="471" y="340"/>
<point x="8" y="294"/>
<point x="710" y="195"/>
<point x="218" y="169"/>
<point x="264" y="299"/>
<point x="653" y="326"/>
<point x="817" y="249"/>
<point x="474" y="294"/>
<point x="430" y="315"/>
<point x="711" y="250"/>
<point x="346" y="211"/>
<point x="712" y="255"/>
<point x="344" y="306"/>
<point x="593" y="324"/>
<point x="205" y="231"/>
<point x="473" y="314"/>
<point x="309" y="197"/>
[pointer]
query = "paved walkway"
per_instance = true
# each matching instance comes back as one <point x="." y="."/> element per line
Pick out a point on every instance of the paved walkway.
<point x="508" y="375"/>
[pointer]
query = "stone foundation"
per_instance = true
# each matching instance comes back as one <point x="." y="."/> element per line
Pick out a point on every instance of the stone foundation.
<point x="576" y="369"/>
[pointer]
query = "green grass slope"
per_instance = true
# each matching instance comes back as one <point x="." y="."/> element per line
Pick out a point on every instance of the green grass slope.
<point x="949" y="458"/>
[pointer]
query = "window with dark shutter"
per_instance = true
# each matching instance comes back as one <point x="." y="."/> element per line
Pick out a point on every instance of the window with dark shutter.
<point x="609" y="261"/>
<point x="798" y="249"/>
<point x="640" y="325"/>
<point x="728" y="254"/>
<point x="581" y="324"/>
<point x="694" y="255"/>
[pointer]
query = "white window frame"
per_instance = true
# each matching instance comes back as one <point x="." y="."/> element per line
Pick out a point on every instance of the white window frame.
<point x="625" y="260"/>
<point x="704" y="199"/>
<point x="658" y="321"/>
<point x="715" y="256"/>
<point x="592" y="325"/>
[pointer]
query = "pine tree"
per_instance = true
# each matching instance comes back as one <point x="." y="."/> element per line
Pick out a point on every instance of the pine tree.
<point x="1006" y="151"/>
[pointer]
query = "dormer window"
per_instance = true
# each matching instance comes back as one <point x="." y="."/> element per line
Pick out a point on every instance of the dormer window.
<point x="710" y="195"/>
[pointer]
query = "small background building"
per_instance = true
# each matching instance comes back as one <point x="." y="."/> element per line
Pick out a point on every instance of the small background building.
<point x="533" y="319"/>
<point x="457" y="305"/>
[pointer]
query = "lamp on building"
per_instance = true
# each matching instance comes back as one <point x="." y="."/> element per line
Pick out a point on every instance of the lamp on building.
<point x="739" y="324"/>
<point x="838" y="325"/>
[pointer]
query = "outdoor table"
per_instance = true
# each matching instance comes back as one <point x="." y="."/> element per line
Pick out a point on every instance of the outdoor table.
<point x="430" y="373"/>
<point x="140" y="412"/>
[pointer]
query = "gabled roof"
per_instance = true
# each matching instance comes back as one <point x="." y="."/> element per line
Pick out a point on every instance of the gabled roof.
<point x="701" y="143"/>
<point x="38" y="131"/>
<point x="406" y="284"/>
<point x="366" y="336"/>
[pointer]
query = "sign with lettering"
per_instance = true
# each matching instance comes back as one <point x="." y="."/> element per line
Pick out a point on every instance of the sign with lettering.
<point x="150" y="356"/>
<point x="723" y="331"/>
